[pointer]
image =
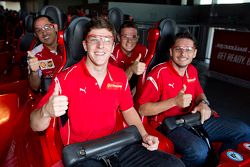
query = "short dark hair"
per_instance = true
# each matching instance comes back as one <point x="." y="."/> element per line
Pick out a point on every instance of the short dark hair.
<point x="128" y="24"/>
<point x="98" y="23"/>
<point x="186" y="35"/>
<point x="42" y="16"/>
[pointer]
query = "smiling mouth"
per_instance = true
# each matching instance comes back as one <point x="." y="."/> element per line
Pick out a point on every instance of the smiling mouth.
<point x="99" y="53"/>
<point x="46" y="38"/>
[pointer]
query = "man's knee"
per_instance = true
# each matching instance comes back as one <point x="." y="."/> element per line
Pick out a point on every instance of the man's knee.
<point x="195" y="154"/>
<point x="169" y="160"/>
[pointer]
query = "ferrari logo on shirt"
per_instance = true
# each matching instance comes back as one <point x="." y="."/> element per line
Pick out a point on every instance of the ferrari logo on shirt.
<point x="191" y="80"/>
<point x="114" y="85"/>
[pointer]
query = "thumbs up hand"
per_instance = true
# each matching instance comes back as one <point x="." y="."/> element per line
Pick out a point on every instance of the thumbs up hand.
<point x="138" y="67"/>
<point x="57" y="104"/>
<point x="33" y="62"/>
<point x="183" y="100"/>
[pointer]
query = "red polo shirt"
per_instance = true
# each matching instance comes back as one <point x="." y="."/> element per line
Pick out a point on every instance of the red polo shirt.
<point x="91" y="110"/>
<point x="163" y="83"/>
<point x="49" y="60"/>
<point x="120" y="59"/>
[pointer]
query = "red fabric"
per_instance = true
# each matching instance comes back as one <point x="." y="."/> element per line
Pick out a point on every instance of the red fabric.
<point x="163" y="82"/>
<point x="92" y="110"/>
<point x="120" y="59"/>
<point x="49" y="61"/>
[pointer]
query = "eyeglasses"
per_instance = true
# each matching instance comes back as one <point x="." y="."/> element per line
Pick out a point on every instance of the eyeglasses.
<point x="95" y="39"/>
<point x="180" y="49"/>
<point x="132" y="38"/>
<point x="46" y="27"/>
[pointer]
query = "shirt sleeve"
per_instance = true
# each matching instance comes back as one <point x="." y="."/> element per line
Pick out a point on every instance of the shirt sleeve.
<point x="151" y="90"/>
<point x="126" y="97"/>
<point x="198" y="88"/>
<point x="47" y="95"/>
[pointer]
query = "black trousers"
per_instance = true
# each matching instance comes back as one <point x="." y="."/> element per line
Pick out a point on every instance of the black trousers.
<point x="136" y="156"/>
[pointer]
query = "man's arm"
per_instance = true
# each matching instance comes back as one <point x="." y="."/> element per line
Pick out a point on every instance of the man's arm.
<point x="40" y="119"/>
<point x="137" y="68"/>
<point x="153" y="108"/>
<point x="202" y="106"/>
<point x="132" y="118"/>
<point x="33" y="65"/>
<point x="55" y="107"/>
<point x="34" y="80"/>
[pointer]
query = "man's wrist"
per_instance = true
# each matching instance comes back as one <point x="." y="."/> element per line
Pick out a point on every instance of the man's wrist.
<point x="205" y="101"/>
<point x="45" y="112"/>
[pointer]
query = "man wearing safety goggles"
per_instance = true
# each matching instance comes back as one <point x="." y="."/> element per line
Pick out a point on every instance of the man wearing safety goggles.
<point x="173" y="89"/>
<point x="91" y="93"/>
<point x="129" y="54"/>
<point x="44" y="59"/>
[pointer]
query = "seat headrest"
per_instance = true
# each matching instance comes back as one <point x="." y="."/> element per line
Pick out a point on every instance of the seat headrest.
<point x="55" y="13"/>
<point x="167" y="32"/>
<point x="28" y="23"/>
<point x="115" y="16"/>
<point x="167" y="28"/>
<point x="73" y="37"/>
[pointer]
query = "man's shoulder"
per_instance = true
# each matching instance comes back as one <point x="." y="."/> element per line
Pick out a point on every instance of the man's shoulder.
<point x="116" y="71"/>
<point x="117" y="48"/>
<point x="159" y="67"/>
<point x="192" y="69"/>
<point x="140" y="48"/>
<point x="70" y="71"/>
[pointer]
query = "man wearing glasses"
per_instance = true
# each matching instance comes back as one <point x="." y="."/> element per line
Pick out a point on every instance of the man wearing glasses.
<point x="172" y="88"/>
<point x="129" y="54"/>
<point x="44" y="59"/>
<point x="92" y="92"/>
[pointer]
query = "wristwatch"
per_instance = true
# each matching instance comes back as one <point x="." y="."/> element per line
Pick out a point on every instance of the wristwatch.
<point x="205" y="101"/>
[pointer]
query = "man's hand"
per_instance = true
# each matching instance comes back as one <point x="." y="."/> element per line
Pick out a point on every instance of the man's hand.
<point x="57" y="104"/>
<point x="205" y="111"/>
<point x="33" y="62"/>
<point x="150" y="142"/>
<point x="138" y="67"/>
<point x="183" y="100"/>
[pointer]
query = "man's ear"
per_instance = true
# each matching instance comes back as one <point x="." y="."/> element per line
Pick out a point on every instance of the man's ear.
<point x="170" y="52"/>
<point x="113" y="47"/>
<point x="118" y="38"/>
<point x="55" y="27"/>
<point x="195" y="51"/>
<point x="84" y="45"/>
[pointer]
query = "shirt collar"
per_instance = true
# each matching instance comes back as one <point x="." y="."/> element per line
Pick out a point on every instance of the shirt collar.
<point x="170" y="65"/>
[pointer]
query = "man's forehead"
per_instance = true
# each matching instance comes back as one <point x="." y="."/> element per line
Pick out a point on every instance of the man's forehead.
<point x="41" y="22"/>
<point x="184" y="41"/>
<point x="129" y="31"/>
<point x="100" y="32"/>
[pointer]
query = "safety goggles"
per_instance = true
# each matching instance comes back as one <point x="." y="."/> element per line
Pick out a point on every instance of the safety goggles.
<point x="132" y="38"/>
<point x="183" y="49"/>
<point x="46" y="28"/>
<point x="95" y="39"/>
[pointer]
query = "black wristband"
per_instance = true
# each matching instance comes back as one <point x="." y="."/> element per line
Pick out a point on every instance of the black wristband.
<point x="205" y="101"/>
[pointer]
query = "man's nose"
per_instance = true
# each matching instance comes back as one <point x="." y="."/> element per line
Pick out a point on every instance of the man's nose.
<point x="100" y="43"/>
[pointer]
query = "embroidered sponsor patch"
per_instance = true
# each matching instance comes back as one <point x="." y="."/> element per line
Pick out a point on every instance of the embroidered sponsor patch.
<point x="46" y="64"/>
<point x="114" y="85"/>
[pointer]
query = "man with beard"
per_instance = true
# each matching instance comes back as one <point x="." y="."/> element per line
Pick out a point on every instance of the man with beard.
<point x="172" y="88"/>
